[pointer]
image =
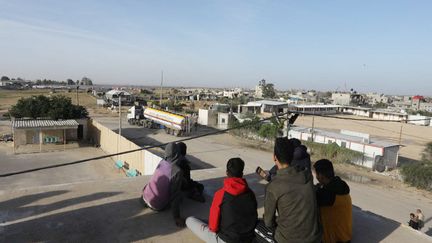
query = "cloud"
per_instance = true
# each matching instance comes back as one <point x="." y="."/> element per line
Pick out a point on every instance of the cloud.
<point x="54" y="29"/>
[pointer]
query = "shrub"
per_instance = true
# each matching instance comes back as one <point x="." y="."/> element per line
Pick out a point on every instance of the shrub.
<point x="333" y="152"/>
<point x="418" y="174"/>
<point x="268" y="131"/>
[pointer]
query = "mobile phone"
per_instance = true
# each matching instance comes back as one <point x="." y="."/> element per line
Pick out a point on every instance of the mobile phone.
<point x="262" y="173"/>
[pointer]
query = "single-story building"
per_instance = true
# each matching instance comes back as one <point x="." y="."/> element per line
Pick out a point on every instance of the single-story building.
<point x="213" y="118"/>
<point x="39" y="133"/>
<point x="419" y="120"/>
<point x="113" y="97"/>
<point x="263" y="106"/>
<point x="357" y="111"/>
<point x="388" y="115"/>
<point x="376" y="154"/>
<point x="314" y="109"/>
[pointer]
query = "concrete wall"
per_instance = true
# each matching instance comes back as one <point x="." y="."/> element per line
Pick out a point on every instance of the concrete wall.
<point x="223" y="120"/>
<point x="207" y="117"/>
<point x="357" y="112"/>
<point x="419" y="120"/>
<point x="369" y="151"/>
<point x="32" y="136"/>
<point x="388" y="116"/>
<point x="54" y="133"/>
<point x="341" y="98"/>
<point x="110" y="142"/>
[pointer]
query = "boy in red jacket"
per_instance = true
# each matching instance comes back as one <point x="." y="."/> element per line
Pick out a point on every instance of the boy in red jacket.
<point x="233" y="213"/>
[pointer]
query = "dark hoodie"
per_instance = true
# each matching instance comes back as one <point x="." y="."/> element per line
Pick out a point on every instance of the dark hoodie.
<point x="301" y="158"/>
<point x="335" y="211"/>
<point x="233" y="213"/>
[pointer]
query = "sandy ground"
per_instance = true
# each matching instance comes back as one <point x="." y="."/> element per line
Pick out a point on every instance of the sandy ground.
<point x="9" y="98"/>
<point x="413" y="137"/>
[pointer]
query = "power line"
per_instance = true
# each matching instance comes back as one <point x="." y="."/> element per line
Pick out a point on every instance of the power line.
<point x="194" y="137"/>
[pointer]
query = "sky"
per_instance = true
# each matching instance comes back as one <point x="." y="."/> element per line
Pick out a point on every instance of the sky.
<point x="383" y="46"/>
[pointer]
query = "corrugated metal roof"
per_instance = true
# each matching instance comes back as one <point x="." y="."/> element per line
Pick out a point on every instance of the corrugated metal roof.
<point x="24" y="123"/>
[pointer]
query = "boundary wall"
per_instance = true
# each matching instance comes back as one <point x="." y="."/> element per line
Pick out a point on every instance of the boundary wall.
<point x="110" y="142"/>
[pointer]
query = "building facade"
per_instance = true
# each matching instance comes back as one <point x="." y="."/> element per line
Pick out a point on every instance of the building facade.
<point x="376" y="154"/>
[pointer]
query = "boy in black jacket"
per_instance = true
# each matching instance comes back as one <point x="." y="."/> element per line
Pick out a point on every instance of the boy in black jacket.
<point x="233" y="214"/>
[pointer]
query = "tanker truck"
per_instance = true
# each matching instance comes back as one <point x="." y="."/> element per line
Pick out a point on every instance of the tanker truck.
<point x="174" y="124"/>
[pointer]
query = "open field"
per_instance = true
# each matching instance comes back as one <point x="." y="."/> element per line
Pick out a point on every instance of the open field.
<point x="413" y="137"/>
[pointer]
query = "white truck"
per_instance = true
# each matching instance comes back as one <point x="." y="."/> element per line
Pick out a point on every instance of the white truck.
<point x="174" y="124"/>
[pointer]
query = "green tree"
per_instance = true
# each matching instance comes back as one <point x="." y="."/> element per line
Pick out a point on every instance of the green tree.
<point x="55" y="107"/>
<point x="380" y="105"/>
<point x="269" y="91"/>
<point x="86" y="81"/>
<point x="70" y="82"/>
<point x="5" y="78"/>
<point x="268" y="130"/>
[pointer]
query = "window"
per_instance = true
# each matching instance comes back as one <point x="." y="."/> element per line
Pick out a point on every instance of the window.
<point x="343" y="144"/>
<point x="330" y="141"/>
<point x="223" y="120"/>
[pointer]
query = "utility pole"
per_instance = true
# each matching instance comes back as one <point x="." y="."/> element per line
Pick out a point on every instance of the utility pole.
<point x="400" y="143"/>
<point x="120" y="118"/>
<point x="77" y="88"/>
<point x="161" y="89"/>
<point x="400" y="135"/>
<point x="120" y="125"/>
<point x="313" y="124"/>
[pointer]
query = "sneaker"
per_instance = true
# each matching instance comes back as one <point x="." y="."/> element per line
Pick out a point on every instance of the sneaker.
<point x="143" y="203"/>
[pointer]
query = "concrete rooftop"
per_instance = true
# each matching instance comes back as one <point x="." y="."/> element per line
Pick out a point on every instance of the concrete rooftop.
<point x="109" y="211"/>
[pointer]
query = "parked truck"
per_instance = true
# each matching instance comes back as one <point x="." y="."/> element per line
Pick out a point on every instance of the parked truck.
<point x="148" y="117"/>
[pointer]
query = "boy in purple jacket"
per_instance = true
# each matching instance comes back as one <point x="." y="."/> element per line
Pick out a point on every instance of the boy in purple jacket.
<point x="164" y="187"/>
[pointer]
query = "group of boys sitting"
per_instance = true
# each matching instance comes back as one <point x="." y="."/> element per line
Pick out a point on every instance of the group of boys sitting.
<point x="295" y="210"/>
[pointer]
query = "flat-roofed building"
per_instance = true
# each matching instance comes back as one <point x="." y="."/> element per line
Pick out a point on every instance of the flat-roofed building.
<point x="314" y="109"/>
<point x="264" y="106"/>
<point x="357" y="111"/>
<point x="376" y="154"/>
